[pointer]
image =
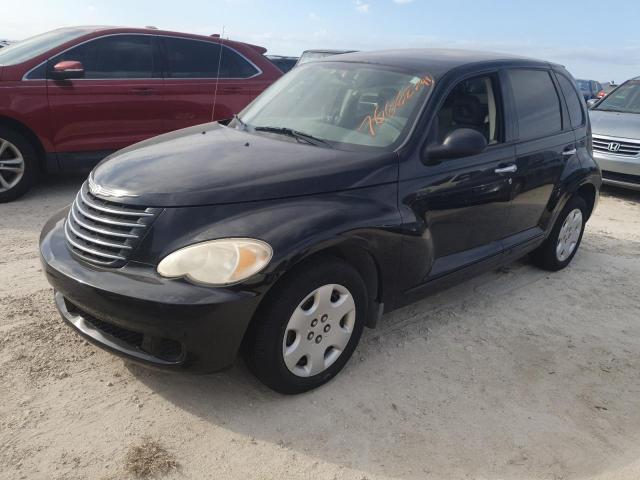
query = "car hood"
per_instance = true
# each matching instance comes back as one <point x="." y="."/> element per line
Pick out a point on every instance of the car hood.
<point x="615" y="124"/>
<point x="212" y="164"/>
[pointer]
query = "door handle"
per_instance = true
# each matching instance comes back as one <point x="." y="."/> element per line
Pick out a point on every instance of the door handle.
<point x="227" y="90"/>
<point x="513" y="168"/>
<point x="143" y="91"/>
<point x="568" y="153"/>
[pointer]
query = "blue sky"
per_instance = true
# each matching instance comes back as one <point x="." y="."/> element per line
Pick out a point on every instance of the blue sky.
<point x="594" y="39"/>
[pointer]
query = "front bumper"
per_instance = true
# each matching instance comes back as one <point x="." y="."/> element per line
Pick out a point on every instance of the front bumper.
<point x="135" y="313"/>
<point x="619" y="170"/>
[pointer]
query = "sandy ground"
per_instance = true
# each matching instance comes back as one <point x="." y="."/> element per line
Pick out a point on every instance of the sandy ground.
<point x="517" y="374"/>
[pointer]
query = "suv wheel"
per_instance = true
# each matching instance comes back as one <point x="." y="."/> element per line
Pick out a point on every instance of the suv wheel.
<point x="309" y="327"/>
<point x="18" y="161"/>
<point x="562" y="244"/>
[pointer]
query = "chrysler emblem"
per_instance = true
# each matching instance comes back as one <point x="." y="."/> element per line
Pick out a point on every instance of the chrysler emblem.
<point x="100" y="191"/>
<point x="613" y="147"/>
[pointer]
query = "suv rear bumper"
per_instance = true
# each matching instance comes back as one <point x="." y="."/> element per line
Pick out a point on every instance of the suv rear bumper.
<point x="135" y="313"/>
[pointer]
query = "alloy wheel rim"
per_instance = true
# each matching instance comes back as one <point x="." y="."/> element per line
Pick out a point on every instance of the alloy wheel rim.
<point x="11" y="165"/>
<point x="569" y="234"/>
<point x="319" y="330"/>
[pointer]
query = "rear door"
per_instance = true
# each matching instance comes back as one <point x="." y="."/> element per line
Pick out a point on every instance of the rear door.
<point x="117" y="103"/>
<point x="204" y="81"/>
<point x="545" y="142"/>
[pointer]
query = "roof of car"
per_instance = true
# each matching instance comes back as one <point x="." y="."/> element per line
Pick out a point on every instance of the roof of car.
<point x="156" y="31"/>
<point x="434" y="60"/>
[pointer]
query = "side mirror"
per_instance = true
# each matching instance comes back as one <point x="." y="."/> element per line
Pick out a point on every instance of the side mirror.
<point x="67" y="70"/>
<point x="591" y="102"/>
<point x="462" y="142"/>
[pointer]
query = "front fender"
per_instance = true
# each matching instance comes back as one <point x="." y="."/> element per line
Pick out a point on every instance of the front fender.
<point x="296" y="228"/>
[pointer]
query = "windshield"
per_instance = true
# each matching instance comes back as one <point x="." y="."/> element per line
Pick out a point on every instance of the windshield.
<point x="625" y="99"/>
<point x="32" y="47"/>
<point x="348" y="105"/>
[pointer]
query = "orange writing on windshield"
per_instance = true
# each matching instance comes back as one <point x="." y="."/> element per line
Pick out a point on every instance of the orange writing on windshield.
<point x="390" y="109"/>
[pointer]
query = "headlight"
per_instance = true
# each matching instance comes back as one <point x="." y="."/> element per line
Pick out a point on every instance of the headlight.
<point x="218" y="262"/>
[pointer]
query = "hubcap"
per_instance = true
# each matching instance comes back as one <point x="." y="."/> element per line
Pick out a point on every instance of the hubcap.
<point x="569" y="234"/>
<point x="11" y="165"/>
<point x="319" y="330"/>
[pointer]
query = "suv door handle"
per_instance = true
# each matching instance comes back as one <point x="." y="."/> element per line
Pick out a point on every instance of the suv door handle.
<point x="513" y="168"/>
<point x="568" y="153"/>
<point x="144" y="91"/>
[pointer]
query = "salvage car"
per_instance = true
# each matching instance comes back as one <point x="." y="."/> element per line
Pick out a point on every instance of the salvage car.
<point x="353" y="186"/>
<point x="73" y="95"/>
<point x="616" y="135"/>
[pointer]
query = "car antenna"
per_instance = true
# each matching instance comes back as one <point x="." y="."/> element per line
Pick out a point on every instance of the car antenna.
<point x="215" y="91"/>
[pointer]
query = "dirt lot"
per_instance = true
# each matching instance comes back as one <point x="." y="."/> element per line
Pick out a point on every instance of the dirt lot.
<point x="517" y="374"/>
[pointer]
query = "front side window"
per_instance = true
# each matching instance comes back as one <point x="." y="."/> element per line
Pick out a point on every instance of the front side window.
<point x="471" y="104"/>
<point x="197" y="59"/>
<point x="349" y="105"/>
<point x="574" y="102"/>
<point x="625" y="99"/>
<point x="113" y="57"/>
<point x="537" y="103"/>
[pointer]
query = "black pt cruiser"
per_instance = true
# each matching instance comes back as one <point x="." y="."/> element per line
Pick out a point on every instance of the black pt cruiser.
<point x="353" y="186"/>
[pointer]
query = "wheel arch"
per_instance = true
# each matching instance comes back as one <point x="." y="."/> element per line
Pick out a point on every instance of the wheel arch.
<point x="588" y="193"/>
<point x="29" y="134"/>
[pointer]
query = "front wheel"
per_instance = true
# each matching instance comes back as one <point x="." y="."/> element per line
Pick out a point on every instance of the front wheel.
<point x="561" y="245"/>
<point x="18" y="165"/>
<point x="309" y="326"/>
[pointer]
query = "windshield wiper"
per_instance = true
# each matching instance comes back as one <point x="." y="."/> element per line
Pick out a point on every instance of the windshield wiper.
<point x="295" y="134"/>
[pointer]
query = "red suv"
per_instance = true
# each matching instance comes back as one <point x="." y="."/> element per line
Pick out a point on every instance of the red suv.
<point x="71" y="96"/>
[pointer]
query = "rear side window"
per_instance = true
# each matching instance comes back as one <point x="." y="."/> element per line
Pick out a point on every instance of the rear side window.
<point x="235" y="66"/>
<point x="574" y="102"/>
<point x="196" y="59"/>
<point x="116" y="56"/>
<point x="537" y="103"/>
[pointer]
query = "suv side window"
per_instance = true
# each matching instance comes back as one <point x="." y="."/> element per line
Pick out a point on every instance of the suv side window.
<point x="574" y="101"/>
<point x="199" y="59"/>
<point x="234" y="65"/>
<point x="472" y="103"/>
<point x="114" y="56"/>
<point x="537" y="103"/>
<point x="191" y="58"/>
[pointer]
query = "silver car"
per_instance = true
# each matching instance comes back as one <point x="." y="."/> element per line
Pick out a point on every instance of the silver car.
<point x="615" y="123"/>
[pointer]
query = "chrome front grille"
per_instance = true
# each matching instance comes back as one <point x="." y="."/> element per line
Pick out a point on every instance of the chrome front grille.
<point x="616" y="146"/>
<point x="105" y="232"/>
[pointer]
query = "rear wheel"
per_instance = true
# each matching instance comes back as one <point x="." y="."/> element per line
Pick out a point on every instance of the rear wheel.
<point x="309" y="327"/>
<point x="562" y="244"/>
<point x="18" y="164"/>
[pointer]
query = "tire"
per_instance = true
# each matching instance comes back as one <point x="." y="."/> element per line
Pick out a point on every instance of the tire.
<point x="18" y="164"/>
<point x="317" y="314"/>
<point x="553" y="256"/>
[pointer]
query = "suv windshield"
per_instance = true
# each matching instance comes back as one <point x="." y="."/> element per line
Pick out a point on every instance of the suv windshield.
<point x="347" y="105"/>
<point x="626" y="99"/>
<point x="32" y="47"/>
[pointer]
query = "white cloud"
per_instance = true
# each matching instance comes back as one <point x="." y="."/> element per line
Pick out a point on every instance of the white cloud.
<point x="402" y="2"/>
<point x="361" y="6"/>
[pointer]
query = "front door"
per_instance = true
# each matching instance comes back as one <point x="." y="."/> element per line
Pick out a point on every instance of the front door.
<point x="459" y="208"/>
<point x="117" y="103"/>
